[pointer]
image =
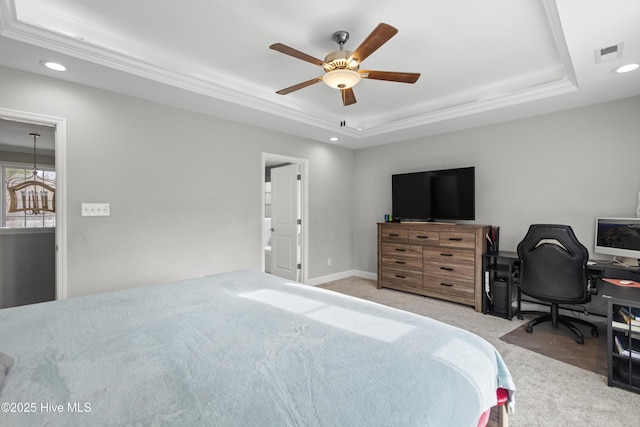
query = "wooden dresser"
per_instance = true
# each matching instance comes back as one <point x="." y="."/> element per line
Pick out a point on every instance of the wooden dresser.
<point x="433" y="259"/>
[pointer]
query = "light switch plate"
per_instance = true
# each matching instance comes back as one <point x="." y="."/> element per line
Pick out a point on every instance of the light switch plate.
<point x="95" y="209"/>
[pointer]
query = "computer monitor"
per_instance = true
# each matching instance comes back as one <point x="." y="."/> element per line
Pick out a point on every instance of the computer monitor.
<point x="619" y="237"/>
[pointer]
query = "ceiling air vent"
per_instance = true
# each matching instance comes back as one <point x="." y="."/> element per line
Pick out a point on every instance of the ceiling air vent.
<point x="609" y="53"/>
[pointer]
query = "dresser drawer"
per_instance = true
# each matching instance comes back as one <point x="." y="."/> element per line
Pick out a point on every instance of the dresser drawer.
<point x="449" y="255"/>
<point x="424" y="237"/>
<point x="457" y="240"/>
<point x="391" y="234"/>
<point x="403" y="262"/>
<point x="450" y="288"/>
<point x="402" y="278"/>
<point x="449" y="269"/>
<point x="400" y="250"/>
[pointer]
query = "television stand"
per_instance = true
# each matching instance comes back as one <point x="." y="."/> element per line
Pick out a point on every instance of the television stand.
<point x="438" y="260"/>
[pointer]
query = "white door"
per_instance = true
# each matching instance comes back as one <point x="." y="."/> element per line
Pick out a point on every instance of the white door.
<point x="284" y="221"/>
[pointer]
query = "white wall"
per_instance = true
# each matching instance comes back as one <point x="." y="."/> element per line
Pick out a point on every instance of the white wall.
<point x="185" y="189"/>
<point x="566" y="167"/>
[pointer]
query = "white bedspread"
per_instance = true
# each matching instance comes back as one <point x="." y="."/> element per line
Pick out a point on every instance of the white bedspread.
<point x="240" y="349"/>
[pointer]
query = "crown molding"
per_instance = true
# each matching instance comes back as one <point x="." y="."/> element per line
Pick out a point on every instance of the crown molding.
<point x="12" y="28"/>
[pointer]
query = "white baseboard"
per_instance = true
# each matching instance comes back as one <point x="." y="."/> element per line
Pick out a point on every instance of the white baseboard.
<point x="342" y="275"/>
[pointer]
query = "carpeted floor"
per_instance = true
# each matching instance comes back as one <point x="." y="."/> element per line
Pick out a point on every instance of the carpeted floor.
<point x="549" y="392"/>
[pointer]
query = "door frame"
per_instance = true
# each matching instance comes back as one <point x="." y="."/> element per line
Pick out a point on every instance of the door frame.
<point x="304" y="207"/>
<point x="60" y="125"/>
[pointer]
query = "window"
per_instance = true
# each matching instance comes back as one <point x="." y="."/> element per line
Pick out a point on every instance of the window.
<point x="25" y="219"/>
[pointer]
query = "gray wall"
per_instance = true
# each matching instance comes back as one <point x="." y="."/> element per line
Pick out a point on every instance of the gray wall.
<point x="567" y="167"/>
<point x="27" y="267"/>
<point x="185" y="189"/>
<point x="27" y="158"/>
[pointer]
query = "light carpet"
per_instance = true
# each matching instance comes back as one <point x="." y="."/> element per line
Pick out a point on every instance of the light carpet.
<point x="549" y="392"/>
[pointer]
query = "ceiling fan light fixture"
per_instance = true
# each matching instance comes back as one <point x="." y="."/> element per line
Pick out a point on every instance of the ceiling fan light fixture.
<point x="342" y="67"/>
<point x="341" y="79"/>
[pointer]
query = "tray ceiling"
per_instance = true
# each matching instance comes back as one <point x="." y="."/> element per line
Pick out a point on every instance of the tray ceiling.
<point x="480" y="62"/>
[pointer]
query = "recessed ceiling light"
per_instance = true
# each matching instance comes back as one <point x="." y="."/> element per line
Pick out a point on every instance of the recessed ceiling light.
<point x="53" y="66"/>
<point x="626" y="68"/>
<point x="333" y="138"/>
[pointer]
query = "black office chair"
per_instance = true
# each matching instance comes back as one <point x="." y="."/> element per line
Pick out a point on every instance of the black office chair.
<point x="553" y="270"/>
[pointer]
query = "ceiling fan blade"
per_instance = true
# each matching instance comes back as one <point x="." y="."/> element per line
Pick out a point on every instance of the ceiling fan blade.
<point x="389" y="76"/>
<point x="299" y="86"/>
<point x="379" y="36"/>
<point x="296" y="53"/>
<point x="348" y="97"/>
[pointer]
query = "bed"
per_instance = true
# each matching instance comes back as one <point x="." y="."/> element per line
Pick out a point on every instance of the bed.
<point x="241" y="349"/>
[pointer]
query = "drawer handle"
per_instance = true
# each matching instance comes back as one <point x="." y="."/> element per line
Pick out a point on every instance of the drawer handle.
<point x="401" y="250"/>
<point x="422" y="237"/>
<point x="399" y="276"/>
<point x="446" y="254"/>
<point x="394" y="235"/>
<point x="449" y="285"/>
<point x="456" y="239"/>
<point x="400" y="262"/>
<point x="446" y="268"/>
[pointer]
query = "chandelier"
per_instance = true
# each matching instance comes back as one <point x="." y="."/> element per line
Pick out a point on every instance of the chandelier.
<point x="35" y="194"/>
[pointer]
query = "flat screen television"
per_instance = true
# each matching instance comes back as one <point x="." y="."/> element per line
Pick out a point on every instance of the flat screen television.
<point x="447" y="194"/>
<point x="619" y="237"/>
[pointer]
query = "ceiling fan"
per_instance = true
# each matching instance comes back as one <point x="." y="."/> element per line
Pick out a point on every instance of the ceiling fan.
<point x="342" y="67"/>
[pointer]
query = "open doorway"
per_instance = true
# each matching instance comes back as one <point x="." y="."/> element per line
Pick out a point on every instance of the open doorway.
<point x="284" y="214"/>
<point x="48" y="249"/>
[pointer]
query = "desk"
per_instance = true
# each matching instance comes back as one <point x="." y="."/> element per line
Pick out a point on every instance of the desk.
<point x="623" y="366"/>
<point x="508" y="262"/>
<point x="606" y="291"/>
<point x="622" y="371"/>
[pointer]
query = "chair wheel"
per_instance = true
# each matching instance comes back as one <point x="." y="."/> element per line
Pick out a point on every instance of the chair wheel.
<point x="594" y="332"/>
<point x="580" y="340"/>
<point x="529" y="329"/>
